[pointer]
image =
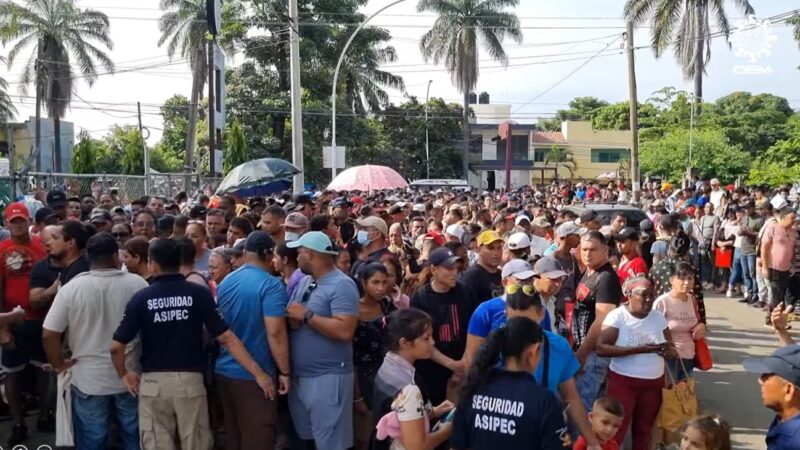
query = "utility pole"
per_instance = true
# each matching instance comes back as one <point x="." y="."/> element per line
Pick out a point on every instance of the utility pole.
<point x="212" y="111"/>
<point x="297" y="115"/>
<point x="38" y="124"/>
<point x="11" y="166"/>
<point x="427" y="148"/>
<point x="144" y="151"/>
<point x="634" y="113"/>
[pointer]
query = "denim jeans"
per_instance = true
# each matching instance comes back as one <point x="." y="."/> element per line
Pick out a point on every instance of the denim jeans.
<point x="736" y="269"/>
<point x="590" y="381"/>
<point x="748" y="263"/>
<point x="707" y="270"/>
<point x="91" y="415"/>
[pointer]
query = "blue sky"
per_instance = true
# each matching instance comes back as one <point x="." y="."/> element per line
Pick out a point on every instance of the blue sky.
<point x="547" y="25"/>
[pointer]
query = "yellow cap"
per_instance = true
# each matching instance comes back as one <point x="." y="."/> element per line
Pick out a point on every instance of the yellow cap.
<point x="666" y="186"/>
<point x="487" y="237"/>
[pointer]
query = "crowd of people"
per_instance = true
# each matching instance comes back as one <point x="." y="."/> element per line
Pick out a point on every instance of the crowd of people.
<point x="387" y="320"/>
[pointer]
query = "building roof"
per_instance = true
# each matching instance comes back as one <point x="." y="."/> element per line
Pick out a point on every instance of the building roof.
<point x="493" y="126"/>
<point x="547" y="137"/>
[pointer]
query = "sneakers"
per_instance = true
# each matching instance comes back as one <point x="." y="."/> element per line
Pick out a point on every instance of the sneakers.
<point x="745" y="300"/>
<point x="18" y="435"/>
<point x="729" y="294"/>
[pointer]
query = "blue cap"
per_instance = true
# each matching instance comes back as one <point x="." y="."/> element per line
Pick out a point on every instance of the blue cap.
<point x="785" y="363"/>
<point x="443" y="257"/>
<point x="316" y="241"/>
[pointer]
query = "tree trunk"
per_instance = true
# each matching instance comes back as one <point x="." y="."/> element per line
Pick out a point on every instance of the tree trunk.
<point x="194" y="105"/>
<point x="699" y="63"/>
<point x="57" y="144"/>
<point x="465" y="161"/>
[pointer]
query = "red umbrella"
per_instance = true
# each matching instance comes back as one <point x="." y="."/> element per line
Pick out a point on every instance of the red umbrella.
<point x="367" y="178"/>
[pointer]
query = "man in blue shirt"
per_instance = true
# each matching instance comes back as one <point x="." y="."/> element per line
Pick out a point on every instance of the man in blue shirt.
<point x="558" y="364"/>
<point x="253" y="303"/>
<point x="780" y="392"/>
<point x="323" y="314"/>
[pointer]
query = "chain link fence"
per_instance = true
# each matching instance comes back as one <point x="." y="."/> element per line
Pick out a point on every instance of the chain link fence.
<point x="128" y="187"/>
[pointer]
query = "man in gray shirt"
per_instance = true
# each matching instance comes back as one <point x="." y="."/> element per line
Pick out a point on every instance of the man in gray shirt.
<point x="323" y="314"/>
<point x="748" y="230"/>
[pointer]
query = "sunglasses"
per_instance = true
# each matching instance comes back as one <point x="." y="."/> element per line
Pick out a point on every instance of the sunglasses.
<point x="120" y="235"/>
<point x="527" y="289"/>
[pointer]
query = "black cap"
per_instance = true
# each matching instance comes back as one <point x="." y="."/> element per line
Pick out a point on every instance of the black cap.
<point x="56" y="198"/>
<point x="166" y="223"/>
<point x="341" y="202"/>
<point x="197" y="211"/>
<point x="627" y="234"/>
<point x="259" y="242"/>
<point x="43" y="214"/>
<point x="784" y="362"/>
<point x="587" y="216"/>
<point x="302" y="199"/>
<point x="101" y="245"/>
<point x="442" y="257"/>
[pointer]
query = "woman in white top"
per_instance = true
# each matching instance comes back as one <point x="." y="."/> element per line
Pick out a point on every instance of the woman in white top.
<point x="678" y="307"/>
<point x="637" y="339"/>
<point x="400" y="405"/>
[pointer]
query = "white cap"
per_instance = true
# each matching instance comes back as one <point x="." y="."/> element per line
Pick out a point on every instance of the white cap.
<point x="520" y="218"/>
<point x="518" y="241"/>
<point x="419" y="207"/>
<point x="455" y="230"/>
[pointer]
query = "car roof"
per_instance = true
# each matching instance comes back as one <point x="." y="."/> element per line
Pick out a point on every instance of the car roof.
<point x="603" y="206"/>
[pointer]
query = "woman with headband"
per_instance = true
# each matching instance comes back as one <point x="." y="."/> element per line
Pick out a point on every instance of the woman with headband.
<point x="637" y="339"/>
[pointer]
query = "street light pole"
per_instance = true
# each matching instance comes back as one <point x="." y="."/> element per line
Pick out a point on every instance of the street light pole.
<point x="336" y="80"/>
<point x="427" y="148"/>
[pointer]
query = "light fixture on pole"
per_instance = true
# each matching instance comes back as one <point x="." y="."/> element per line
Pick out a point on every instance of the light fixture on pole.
<point x="336" y="80"/>
<point x="427" y="148"/>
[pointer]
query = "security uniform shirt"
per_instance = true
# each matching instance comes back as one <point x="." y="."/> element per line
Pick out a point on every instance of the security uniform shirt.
<point x="170" y="315"/>
<point x="511" y="412"/>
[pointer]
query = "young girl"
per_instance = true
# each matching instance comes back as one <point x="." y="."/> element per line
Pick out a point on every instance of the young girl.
<point x="705" y="433"/>
<point x="394" y="271"/>
<point x="506" y="408"/>
<point x="400" y="400"/>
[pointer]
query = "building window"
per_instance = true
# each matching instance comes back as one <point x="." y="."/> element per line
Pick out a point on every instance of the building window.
<point x="539" y="154"/>
<point x="610" y="155"/>
<point x="519" y="148"/>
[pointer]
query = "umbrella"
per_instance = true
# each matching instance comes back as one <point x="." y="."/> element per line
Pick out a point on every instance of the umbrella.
<point x="366" y="178"/>
<point x="607" y="176"/>
<point x="258" y="177"/>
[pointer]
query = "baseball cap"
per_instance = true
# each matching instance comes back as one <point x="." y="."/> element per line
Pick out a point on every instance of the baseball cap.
<point x="784" y="362"/>
<point x="259" y="242"/>
<point x="487" y="237"/>
<point x="295" y="220"/>
<point x="100" y="214"/>
<point x="341" y="202"/>
<point x="197" y="211"/>
<point x="374" y="222"/>
<point x="43" y="214"/>
<point x="418" y="207"/>
<point x="548" y="267"/>
<point x="517" y="268"/>
<point x="56" y="198"/>
<point x="541" y="222"/>
<point x="518" y="241"/>
<point x="435" y="237"/>
<point x="628" y="234"/>
<point x="442" y="257"/>
<point x="15" y="210"/>
<point x="586" y="216"/>
<point x="316" y="241"/>
<point x="521" y="218"/>
<point x="455" y="230"/>
<point x="568" y="228"/>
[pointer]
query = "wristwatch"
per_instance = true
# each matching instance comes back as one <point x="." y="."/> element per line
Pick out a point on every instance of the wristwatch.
<point x="307" y="316"/>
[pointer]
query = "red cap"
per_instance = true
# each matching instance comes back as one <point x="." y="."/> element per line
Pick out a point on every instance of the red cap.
<point x="358" y="200"/>
<point x="436" y="237"/>
<point x="730" y="187"/>
<point x="15" y="210"/>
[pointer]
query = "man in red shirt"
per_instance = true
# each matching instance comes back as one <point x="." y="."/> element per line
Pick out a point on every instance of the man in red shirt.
<point x="631" y="262"/>
<point x="24" y="344"/>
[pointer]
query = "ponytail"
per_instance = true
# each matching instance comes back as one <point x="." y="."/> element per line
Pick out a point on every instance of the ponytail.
<point x="509" y="341"/>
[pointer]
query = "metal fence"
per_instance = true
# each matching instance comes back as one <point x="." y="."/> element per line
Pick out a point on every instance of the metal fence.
<point x="128" y="187"/>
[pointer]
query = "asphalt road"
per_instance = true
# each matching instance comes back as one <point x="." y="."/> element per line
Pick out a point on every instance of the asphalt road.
<point x="735" y="332"/>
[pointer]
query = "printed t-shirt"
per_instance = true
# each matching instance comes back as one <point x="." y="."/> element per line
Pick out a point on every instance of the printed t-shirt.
<point x="600" y="286"/>
<point x="484" y="284"/>
<point x="15" y="271"/>
<point x="311" y="353"/>
<point x="169" y="315"/>
<point x="635" y="332"/>
<point x="630" y="268"/>
<point x="681" y="319"/>
<point x="245" y="297"/>
<point x="510" y="412"/>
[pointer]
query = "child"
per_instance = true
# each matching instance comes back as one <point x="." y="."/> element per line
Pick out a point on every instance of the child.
<point x="606" y="418"/>
<point x="706" y="433"/>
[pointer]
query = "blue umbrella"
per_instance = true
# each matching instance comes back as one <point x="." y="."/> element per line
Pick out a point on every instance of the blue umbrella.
<point x="258" y="177"/>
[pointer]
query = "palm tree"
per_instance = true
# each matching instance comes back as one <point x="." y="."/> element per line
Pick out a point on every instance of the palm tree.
<point x="7" y="109"/>
<point x="454" y="38"/>
<point x="561" y="157"/>
<point x="691" y="40"/>
<point x="364" y="81"/>
<point x="183" y="28"/>
<point x="58" y="30"/>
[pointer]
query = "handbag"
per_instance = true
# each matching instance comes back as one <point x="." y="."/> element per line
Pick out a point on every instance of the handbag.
<point x="723" y="257"/>
<point x="64" y="430"/>
<point x="678" y="402"/>
<point x="702" y="354"/>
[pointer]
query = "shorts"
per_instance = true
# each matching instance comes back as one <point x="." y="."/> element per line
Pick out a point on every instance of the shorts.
<point x="322" y="409"/>
<point x="26" y="349"/>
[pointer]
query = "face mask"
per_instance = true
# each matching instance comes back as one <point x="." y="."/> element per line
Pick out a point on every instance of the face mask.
<point x="291" y="236"/>
<point x="363" y="238"/>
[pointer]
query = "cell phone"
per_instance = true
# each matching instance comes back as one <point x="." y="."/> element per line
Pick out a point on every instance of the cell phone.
<point x="449" y="416"/>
